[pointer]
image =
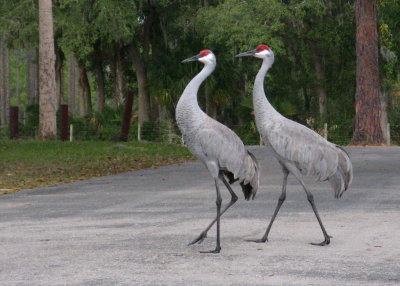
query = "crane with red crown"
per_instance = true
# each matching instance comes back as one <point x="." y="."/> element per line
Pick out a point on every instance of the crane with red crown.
<point x="300" y="150"/>
<point x="215" y="145"/>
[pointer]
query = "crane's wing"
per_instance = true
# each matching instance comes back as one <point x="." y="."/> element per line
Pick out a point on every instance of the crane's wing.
<point x="222" y="145"/>
<point x="312" y="154"/>
<point x="343" y="177"/>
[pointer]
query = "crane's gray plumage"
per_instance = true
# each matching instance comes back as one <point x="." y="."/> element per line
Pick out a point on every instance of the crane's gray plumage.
<point x="300" y="150"/>
<point x="308" y="153"/>
<point x="214" y="144"/>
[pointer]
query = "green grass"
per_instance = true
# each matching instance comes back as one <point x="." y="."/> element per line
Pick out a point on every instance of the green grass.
<point x="32" y="164"/>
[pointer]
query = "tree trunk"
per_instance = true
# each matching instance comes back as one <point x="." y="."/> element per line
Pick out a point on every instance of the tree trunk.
<point x="126" y="120"/>
<point x="47" y="81"/>
<point x="100" y="91"/>
<point x="32" y="77"/>
<point x="141" y="74"/>
<point x="155" y="108"/>
<point x="59" y="76"/>
<point x="86" y="93"/>
<point x="119" y="79"/>
<point x="319" y="86"/>
<point x="81" y="102"/>
<point x="307" y="99"/>
<point x="5" y="88"/>
<point x="211" y="109"/>
<point x="1" y="82"/>
<point x="384" y="117"/>
<point x="18" y="76"/>
<point x="18" y="84"/>
<point x="79" y="109"/>
<point x="71" y="84"/>
<point x="163" y="113"/>
<point x="148" y="24"/>
<point x="368" y="127"/>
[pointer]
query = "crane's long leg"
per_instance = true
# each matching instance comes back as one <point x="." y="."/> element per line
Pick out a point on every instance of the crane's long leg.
<point x="234" y="198"/>
<point x="278" y="206"/>
<point x="218" y="203"/>
<point x="310" y="198"/>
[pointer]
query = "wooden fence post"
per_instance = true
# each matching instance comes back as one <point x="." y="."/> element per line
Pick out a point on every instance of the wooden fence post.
<point x="139" y="137"/>
<point x="388" y="134"/>
<point x="64" y="122"/>
<point x="71" y="133"/>
<point x="126" y="119"/>
<point x="14" y="123"/>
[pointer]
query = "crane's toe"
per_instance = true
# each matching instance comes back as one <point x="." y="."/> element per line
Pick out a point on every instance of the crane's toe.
<point x="325" y="242"/>
<point x="262" y="240"/>
<point x="216" y="250"/>
<point x="199" y="239"/>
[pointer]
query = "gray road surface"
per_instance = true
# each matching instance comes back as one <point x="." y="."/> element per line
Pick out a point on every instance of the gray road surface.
<point x="133" y="229"/>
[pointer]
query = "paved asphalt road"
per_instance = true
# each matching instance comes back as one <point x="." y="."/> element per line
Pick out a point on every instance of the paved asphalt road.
<point x="133" y="229"/>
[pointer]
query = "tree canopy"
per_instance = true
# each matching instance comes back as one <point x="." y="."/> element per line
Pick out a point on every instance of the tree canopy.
<point x="136" y="46"/>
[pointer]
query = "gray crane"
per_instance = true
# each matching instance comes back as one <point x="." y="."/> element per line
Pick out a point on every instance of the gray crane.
<point x="214" y="144"/>
<point x="299" y="150"/>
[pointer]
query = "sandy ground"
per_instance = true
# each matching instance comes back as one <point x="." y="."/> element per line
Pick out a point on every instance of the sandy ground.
<point x="133" y="229"/>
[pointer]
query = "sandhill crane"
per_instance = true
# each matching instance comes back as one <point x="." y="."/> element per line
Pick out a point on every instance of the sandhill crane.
<point x="299" y="150"/>
<point x="214" y="144"/>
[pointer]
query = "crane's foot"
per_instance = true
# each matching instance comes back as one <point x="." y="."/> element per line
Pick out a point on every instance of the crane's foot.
<point x="325" y="242"/>
<point x="262" y="240"/>
<point x="216" y="250"/>
<point x="199" y="239"/>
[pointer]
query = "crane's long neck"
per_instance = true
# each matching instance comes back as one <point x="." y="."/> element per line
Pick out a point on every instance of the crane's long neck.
<point x="192" y="88"/>
<point x="188" y="111"/>
<point x="262" y="107"/>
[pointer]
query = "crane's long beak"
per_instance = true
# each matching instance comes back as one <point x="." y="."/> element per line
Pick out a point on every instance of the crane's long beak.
<point x="246" y="54"/>
<point x="192" y="59"/>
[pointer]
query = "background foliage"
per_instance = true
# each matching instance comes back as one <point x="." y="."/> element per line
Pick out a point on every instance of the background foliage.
<point x="167" y="31"/>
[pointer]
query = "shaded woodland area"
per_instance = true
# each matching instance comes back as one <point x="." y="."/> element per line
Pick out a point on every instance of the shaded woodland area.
<point x="117" y="64"/>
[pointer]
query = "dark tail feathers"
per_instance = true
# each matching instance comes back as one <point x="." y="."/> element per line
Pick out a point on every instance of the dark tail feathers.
<point x="250" y="188"/>
<point x="230" y="177"/>
<point x="250" y="181"/>
<point x="247" y="191"/>
<point x="246" y="188"/>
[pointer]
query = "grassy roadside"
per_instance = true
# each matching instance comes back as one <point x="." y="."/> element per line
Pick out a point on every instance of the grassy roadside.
<point x="32" y="164"/>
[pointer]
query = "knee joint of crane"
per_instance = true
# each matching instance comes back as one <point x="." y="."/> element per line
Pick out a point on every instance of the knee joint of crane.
<point x="310" y="197"/>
